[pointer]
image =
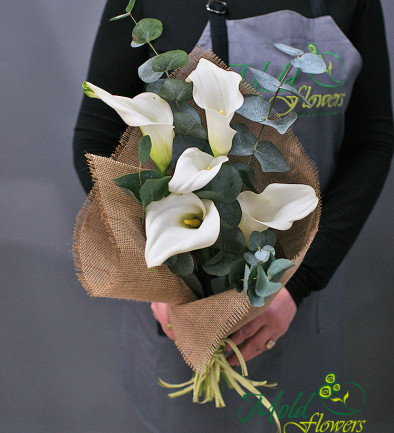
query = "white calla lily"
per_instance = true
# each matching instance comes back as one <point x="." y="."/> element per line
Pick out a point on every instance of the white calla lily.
<point x="217" y="92"/>
<point x="194" y="170"/>
<point x="148" y="111"/>
<point x="177" y="224"/>
<point x="278" y="206"/>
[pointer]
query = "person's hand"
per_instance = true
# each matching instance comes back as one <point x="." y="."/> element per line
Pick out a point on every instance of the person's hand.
<point x="160" y="311"/>
<point x="272" y="323"/>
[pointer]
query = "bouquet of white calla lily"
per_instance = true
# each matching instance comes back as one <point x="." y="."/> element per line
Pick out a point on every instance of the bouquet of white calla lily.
<point x="217" y="92"/>
<point x="148" y="111"/>
<point x="278" y="206"/>
<point x="194" y="170"/>
<point x="177" y="224"/>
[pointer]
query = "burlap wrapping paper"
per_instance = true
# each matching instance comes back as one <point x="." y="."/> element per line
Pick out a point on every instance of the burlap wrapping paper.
<point x="109" y="241"/>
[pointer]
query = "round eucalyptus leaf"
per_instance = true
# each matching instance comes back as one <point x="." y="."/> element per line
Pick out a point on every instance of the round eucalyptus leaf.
<point x="243" y="141"/>
<point x="184" y="265"/>
<point x="230" y="214"/>
<point x="232" y="239"/>
<point x="288" y="50"/>
<point x="154" y="190"/>
<point x="247" y="174"/>
<point x="219" y="264"/>
<point x="184" y="107"/>
<point x="170" y="60"/>
<point x="146" y="73"/>
<point x="310" y="63"/>
<point x="186" y="124"/>
<point x="277" y="268"/>
<point x="266" y="81"/>
<point x="176" y="90"/>
<point x="255" y="241"/>
<point x="262" y="255"/>
<point x="224" y="187"/>
<point x="270" y="158"/>
<point x="156" y="86"/>
<point x="254" y="108"/>
<point x="283" y="123"/>
<point x="147" y="30"/>
<point x="246" y="279"/>
<point x="251" y="259"/>
<point x="268" y="237"/>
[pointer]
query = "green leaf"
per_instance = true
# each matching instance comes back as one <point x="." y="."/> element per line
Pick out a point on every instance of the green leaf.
<point x="144" y="147"/>
<point x="295" y="92"/>
<point x="254" y="108"/>
<point x="183" y="266"/>
<point x="230" y="214"/>
<point x="176" y="90"/>
<point x="270" y="158"/>
<point x="171" y="260"/>
<point x="181" y="143"/>
<point x="251" y="259"/>
<point x="184" y="107"/>
<point x="135" y="44"/>
<point x="243" y="141"/>
<point x="310" y="63"/>
<point x="130" y="5"/>
<point x="119" y="17"/>
<point x="247" y="174"/>
<point x="147" y="30"/>
<point x="194" y="283"/>
<point x="130" y="183"/>
<point x="288" y="50"/>
<point x="224" y="187"/>
<point x="186" y="124"/>
<point x="156" y="86"/>
<point x="219" y="285"/>
<point x="219" y="264"/>
<point x="263" y="255"/>
<point x="170" y="60"/>
<point x="246" y="279"/>
<point x="146" y="73"/>
<point x="231" y="239"/>
<point x="283" y="123"/>
<point x="266" y="81"/>
<point x="336" y="399"/>
<point x="154" y="190"/>
<point x="258" y="240"/>
<point x="260" y="285"/>
<point x="346" y="397"/>
<point x="236" y="273"/>
<point x="277" y="268"/>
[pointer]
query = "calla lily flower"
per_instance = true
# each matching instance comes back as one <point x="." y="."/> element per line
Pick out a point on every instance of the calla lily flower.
<point x="278" y="206"/>
<point x="148" y="111"/>
<point x="194" y="170"/>
<point x="177" y="224"/>
<point x="217" y="92"/>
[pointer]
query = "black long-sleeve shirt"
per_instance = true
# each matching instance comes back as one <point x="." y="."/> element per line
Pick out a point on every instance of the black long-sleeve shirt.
<point x="367" y="146"/>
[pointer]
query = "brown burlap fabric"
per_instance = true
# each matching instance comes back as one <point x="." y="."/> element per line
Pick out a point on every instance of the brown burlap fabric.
<point x="109" y="241"/>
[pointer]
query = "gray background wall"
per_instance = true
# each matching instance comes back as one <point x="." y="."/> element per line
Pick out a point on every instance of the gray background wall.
<point x="59" y="349"/>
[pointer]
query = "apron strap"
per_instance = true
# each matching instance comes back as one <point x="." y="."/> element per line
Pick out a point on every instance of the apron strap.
<point x="217" y="18"/>
<point x="318" y="8"/>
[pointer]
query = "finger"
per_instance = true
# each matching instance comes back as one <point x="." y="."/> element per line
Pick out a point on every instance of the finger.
<point x="161" y="313"/>
<point x="247" y="330"/>
<point x="253" y="346"/>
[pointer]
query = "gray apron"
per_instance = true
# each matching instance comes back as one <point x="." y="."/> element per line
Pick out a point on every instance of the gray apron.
<point x="313" y="345"/>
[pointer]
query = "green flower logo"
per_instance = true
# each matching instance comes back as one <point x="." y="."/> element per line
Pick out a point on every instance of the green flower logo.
<point x="330" y="378"/>
<point x="336" y="387"/>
